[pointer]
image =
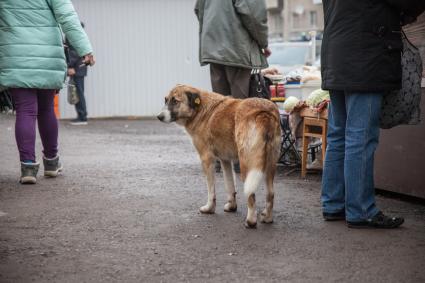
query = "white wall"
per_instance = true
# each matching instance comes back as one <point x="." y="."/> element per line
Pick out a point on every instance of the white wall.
<point x="143" y="48"/>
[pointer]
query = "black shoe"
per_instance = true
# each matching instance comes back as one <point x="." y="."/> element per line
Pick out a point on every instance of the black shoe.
<point x="334" y="216"/>
<point x="378" y="221"/>
<point x="78" y="122"/>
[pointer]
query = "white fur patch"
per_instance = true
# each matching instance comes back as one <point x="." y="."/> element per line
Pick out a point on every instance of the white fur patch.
<point x="252" y="137"/>
<point x="252" y="181"/>
<point x="167" y="115"/>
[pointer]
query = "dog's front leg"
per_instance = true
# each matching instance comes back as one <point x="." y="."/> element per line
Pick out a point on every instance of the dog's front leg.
<point x="208" y="167"/>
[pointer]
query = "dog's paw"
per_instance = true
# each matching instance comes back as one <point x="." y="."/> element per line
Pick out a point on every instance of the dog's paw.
<point x="266" y="219"/>
<point x="230" y="207"/>
<point x="250" y="225"/>
<point x="207" y="209"/>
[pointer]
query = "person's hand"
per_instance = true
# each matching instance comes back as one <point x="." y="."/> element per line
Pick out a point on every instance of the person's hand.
<point x="71" y="72"/>
<point x="270" y="71"/>
<point x="267" y="52"/>
<point x="89" y="59"/>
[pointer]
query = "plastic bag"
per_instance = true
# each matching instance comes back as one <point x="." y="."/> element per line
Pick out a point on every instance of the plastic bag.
<point x="73" y="97"/>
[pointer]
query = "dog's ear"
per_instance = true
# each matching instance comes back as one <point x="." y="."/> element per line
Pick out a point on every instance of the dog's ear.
<point x="194" y="99"/>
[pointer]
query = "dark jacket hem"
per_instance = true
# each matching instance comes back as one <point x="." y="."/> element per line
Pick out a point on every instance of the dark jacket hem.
<point x="361" y="88"/>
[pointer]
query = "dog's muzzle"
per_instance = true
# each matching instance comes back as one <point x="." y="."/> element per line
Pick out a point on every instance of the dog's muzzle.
<point x="165" y="116"/>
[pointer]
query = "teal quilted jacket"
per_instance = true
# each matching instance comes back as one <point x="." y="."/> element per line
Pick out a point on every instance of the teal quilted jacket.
<point x="31" y="48"/>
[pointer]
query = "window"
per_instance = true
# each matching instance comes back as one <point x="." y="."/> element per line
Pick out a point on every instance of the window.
<point x="313" y="18"/>
<point x="296" y="21"/>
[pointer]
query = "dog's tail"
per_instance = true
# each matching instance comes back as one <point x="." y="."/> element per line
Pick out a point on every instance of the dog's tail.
<point x="253" y="181"/>
<point x="267" y="146"/>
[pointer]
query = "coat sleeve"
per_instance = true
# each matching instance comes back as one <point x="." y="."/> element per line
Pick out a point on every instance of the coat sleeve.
<point x="196" y="10"/>
<point x="74" y="59"/>
<point x="409" y="8"/>
<point x="253" y="14"/>
<point x="69" y="22"/>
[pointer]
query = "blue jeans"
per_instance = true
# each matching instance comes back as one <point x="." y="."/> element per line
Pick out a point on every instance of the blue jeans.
<point x="80" y="107"/>
<point x="353" y="135"/>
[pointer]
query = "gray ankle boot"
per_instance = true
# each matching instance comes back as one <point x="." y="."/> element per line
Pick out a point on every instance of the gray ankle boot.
<point x="29" y="173"/>
<point x="52" y="167"/>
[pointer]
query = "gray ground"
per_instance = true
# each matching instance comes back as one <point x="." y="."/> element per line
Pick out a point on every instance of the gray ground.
<point x="126" y="210"/>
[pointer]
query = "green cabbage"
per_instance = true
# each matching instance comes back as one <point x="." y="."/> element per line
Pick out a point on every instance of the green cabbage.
<point x="290" y="103"/>
<point x="316" y="97"/>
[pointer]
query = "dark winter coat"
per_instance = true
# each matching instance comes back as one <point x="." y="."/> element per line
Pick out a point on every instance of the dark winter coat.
<point x="76" y="62"/>
<point x="361" y="48"/>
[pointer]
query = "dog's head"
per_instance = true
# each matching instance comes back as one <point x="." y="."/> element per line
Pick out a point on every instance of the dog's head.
<point x="181" y="104"/>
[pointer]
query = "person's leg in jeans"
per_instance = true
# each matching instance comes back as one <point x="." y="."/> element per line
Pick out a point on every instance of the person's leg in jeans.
<point x="361" y="141"/>
<point x="238" y="79"/>
<point x="47" y="123"/>
<point x="80" y="107"/>
<point x="333" y="181"/>
<point x="25" y="101"/>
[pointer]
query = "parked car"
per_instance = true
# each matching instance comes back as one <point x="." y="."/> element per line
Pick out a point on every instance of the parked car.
<point x="287" y="56"/>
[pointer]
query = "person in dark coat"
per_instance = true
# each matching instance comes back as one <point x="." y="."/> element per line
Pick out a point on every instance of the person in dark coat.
<point x="361" y="62"/>
<point x="78" y="71"/>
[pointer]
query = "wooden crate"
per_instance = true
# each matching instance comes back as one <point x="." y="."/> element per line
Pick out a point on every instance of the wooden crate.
<point x="308" y="112"/>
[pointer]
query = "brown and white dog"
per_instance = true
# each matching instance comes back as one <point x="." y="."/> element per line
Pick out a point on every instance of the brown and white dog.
<point x="227" y="129"/>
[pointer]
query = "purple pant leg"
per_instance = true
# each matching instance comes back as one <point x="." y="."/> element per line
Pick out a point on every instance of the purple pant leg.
<point x="25" y="101"/>
<point x="47" y="122"/>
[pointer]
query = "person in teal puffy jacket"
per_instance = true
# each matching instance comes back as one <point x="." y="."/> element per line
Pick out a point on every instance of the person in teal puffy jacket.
<point x="32" y="68"/>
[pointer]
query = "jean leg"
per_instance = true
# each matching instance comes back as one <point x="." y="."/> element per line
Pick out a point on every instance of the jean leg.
<point x="81" y="107"/>
<point x="362" y="137"/>
<point x="333" y="184"/>
<point x="47" y="122"/>
<point x="25" y="101"/>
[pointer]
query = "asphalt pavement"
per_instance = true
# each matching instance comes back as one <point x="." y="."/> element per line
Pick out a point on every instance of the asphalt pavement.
<point x="125" y="209"/>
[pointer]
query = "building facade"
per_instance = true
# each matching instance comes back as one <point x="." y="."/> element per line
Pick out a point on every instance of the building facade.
<point x="292" y="20"/>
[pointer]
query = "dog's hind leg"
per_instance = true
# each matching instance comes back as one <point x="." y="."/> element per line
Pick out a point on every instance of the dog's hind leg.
<point x="273" y="153"/>
<point x="229" y="184"/>
<point x="267" y="214"/>
<point x="251" y="218"/>
<point x="252" y="182"/>
<point x="252" y="163"/>
<point x="208" y="167"/>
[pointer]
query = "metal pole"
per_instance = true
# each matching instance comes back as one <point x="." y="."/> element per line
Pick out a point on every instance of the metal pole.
<point x="313" y="47"/>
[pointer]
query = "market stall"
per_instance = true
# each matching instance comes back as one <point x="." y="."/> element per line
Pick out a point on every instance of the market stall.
<point x="303" y="108"/>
